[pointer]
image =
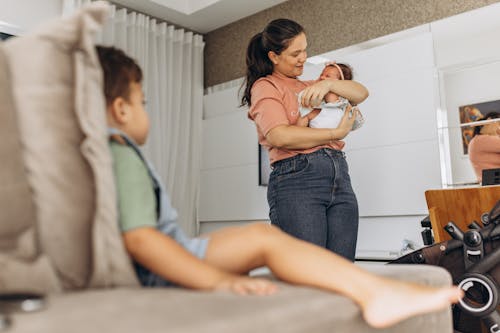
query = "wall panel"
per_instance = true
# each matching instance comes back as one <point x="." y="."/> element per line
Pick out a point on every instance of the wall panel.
<point x="392" y="180"/>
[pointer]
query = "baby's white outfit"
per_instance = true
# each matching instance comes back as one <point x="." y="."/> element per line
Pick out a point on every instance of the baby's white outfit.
<point x="330" y="114"/>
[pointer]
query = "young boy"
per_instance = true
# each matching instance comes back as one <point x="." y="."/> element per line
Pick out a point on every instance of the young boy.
<point x="164" y="255"/>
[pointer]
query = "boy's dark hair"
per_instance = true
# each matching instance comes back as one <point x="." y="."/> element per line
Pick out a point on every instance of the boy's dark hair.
<point x="489" y="115"/>
<point x="119" y="71"/>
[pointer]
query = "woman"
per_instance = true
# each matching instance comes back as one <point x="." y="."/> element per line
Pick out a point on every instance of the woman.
<point x="309" y="194"/>
<point x="484" y="148"/>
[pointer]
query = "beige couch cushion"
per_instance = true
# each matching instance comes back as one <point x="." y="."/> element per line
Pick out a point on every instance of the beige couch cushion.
<point x="57" y="89"/>
<point x="291" y="310"/>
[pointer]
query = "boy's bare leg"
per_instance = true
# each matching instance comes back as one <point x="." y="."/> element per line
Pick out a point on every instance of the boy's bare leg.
<point x="383" y="301"/>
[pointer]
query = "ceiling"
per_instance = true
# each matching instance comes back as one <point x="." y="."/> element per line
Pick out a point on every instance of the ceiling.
<point x="201" y="16"/>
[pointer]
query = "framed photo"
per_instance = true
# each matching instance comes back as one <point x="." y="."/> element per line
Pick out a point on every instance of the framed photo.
<point x="264" y="166"/>
<point x="470" y="114"/>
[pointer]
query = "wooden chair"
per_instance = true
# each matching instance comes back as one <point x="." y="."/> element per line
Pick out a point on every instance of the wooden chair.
<point x="460" y="205"/>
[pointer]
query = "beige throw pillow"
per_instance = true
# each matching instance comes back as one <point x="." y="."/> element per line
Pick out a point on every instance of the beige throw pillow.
<point x="57" y="89"/>
<point x="23" y="267"/>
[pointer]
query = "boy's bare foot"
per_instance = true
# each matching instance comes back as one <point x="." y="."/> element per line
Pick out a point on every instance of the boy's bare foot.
<point x="396" y="301"/>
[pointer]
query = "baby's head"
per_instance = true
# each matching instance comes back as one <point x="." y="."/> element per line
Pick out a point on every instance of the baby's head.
<point x="123" y="92"/>
<point x="336" y="71"/>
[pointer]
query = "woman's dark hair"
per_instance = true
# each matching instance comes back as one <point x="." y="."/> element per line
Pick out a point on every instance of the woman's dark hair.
<point x="276" y="37"/>
<point x="119" y="71"/>
<point x="489" y="115"/>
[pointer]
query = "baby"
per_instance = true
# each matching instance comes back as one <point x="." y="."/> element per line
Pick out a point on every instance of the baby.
<point x="333" y="107"/>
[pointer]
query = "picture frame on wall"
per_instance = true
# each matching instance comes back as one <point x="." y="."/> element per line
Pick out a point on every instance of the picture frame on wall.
<point x="471" y="113"/>
<point x="264" y="166"/>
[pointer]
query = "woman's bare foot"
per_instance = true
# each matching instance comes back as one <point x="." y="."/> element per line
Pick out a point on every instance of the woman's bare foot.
<point x="395" y="301"/>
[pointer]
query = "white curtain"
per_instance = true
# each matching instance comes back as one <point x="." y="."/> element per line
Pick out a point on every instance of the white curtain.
<point x="172" y="63"/>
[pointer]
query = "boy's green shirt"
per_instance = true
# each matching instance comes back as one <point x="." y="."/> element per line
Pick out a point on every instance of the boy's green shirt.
<point x="136" y="198"/>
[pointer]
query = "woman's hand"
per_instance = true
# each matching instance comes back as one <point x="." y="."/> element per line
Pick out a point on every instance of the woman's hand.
<point x="314" y="94"/>
<point x="346" y="123"/>
<point x="244" y="285"/>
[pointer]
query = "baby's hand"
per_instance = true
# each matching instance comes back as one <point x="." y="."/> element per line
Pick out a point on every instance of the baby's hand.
<point x="331" y="97"/>
<point x="244" y="285"/>
<point x="303" y="121"/>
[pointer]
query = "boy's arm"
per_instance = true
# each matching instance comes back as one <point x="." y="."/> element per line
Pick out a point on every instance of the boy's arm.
<point x="165" y="257"/>
<point x="156" y="251"/>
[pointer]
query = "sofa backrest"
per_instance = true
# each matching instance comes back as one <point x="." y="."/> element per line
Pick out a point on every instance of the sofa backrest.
<point x="21" y="262"/>
<point x="56" y="83"/>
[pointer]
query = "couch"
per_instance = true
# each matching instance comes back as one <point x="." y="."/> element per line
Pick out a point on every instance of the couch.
<point x="58" y="230"/>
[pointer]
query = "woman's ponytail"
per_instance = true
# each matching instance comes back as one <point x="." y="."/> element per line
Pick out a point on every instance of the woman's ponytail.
<point x="276" y="37"/>
<point x="258" y="65"/>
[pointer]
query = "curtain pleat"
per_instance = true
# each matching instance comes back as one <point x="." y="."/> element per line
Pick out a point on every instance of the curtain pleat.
<point x="172" y="63"/>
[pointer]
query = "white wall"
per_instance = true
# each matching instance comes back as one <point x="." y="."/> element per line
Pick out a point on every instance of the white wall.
<point x="416" y="80"/>
<point x="394" y="158"/>
<point x="229" y="188"/>
<point x="27" y="14"/>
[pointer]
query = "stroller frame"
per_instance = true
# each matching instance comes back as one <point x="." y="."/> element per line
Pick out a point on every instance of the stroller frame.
<point x="477" y="267"/>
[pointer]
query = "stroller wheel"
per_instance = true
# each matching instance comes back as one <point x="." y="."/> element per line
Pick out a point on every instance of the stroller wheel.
<point x="481" y="294"/>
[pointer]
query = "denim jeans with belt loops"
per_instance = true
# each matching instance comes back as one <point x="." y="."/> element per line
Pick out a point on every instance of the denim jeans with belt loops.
<point x="310" y="197"/>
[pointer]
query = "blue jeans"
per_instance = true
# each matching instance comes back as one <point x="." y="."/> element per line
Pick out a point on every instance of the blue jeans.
<point x="310" y="197"/>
